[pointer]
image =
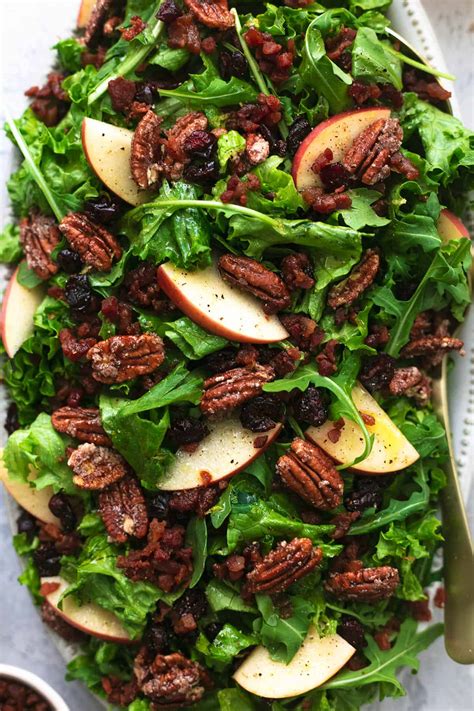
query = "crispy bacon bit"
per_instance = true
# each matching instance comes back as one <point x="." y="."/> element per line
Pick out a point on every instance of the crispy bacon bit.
<point x="336" y="45"/>
<point x="334" y="434"/>
<point x="360" y="278"/>
<point x="136" y="27"/>
<point x="304" y="332"/>
<point x="250" y="116"/>
<point x="118" y="691"/>
<point x="273" y="59"/>
<point x="420" y="610"/>
<point x="51" y="102"/>
<point x="427" y="89"/>
<point x="75" y="348"/>
<point x="183" y="33"/>
<point x="326" y="360"/>
<point x="237" y="189"/>
<point x="122" y="93"/>
<point x="325" y="203"/>
<point x="379" y="336"/>
<point x="39" y="236"/>
<point x="212" y="13"/>
<point x="164" y="561"/>
<point x="297" y="271"/>
<point x="440" y="597"/>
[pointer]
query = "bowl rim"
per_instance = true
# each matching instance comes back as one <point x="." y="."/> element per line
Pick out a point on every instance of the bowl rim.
<point x="35" y="682"/>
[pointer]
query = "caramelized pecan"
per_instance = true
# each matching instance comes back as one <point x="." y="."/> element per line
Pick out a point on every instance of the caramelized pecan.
<point x="175" y="157"/>
<point x="146" y="152"/>
<point x="297" y="271"/>
<point x="282" y="567"/>
<point x="82" y="423"/>
<point x="364" y="585"/>
<point x="123" y="510"/>
<point x="39" y="235"/>
<point x="359" y="279"/>
<point x="212" y="13"/>
<point x="403" y="379"/>
<point x="96" y="467"/>
<point x="431" y="345"/>
<point x="96" y="246"/>
<point x="310" y="473"/>
<point x="225" y="391"/>
<point x="122" y="358"/>
<point x="249" y="275"/>
<point x="170" y="680"/>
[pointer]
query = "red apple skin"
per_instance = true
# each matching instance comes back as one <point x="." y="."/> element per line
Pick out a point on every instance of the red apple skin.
<point x="103" y="637"/>
<point x="450" y="226"/>
<point x="315" y="134"/>
<point x="85" y="12"/>
<point x="183" y="303"/>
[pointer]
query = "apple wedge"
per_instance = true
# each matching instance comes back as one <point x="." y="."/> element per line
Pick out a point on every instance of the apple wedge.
<point x="336" y="133"/>
<point x="35" y="501"/>
<point x="226" y="450"/>
<point x="450" y="226"/>
<point x="107" y="149"/>
<point x="85" y="12"/>
<point x="219" y="308"/>
<point x="89" y="618"/>
<point x="16" y="318"/>
<point x="391" y="451"/>
<point x="316" y="661"/>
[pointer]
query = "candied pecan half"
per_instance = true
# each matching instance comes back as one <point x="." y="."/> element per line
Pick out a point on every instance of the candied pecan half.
<point x="360" y="278"/>
<point x="123" y="510"/>
<point x="170" y="680"/>
<point x="297" y="271"/>
<point x="310" y="473"/>
<point x="96" y="467"/>
<point x="282" y="567"/>
<point x="122" y="358"/>
<point x="249" y="275"/>
<point x="146" y="152"/>
<point x="225" y="391"/>
<point x="365" y="585"/>
<point x="403" y="379"/>
<point x="198" y="500"/>
<point x="175" y="155"/>
<point x="96" y="246"/>
<point x="432" y="346"/>
<point x="83" y="423"/>
<point x="183" y="33"/>
<point x="212" y="13"/>
<point x="39" y="235"/>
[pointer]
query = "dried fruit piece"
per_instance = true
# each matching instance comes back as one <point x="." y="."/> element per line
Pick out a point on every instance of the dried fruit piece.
<point x="122" y="358"/>
<point x="365" y="585"/>
<point x="361" y="277"/>
<point x="310" y="473"/>
<point x="146" y="151"/>
<point x="251" y="276"/>
<point x="225" y="391"/>
<point x="212" y="13"/>
<point x="123" y="510"/>
<point x="39" y="235"/>
<point x="176" y="157"/>
<point x="282" y="567"/>
<point x="96" y="246"/>
<point x="83" y="423"/>
<point x="96" y="467"/>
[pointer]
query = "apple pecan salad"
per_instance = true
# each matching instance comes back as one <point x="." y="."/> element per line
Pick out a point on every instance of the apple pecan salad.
<point x="236" y="269"/>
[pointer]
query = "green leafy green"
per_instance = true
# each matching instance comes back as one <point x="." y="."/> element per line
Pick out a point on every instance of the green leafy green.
<point x="228" y="643"/>
<point x="196" y="537"/>
<point x="69" y="54"/>
<point x="372" y="61"/>
<point x="10" y="248"/>
<point x="229" y="146"/>
<point x="283" y="636"/>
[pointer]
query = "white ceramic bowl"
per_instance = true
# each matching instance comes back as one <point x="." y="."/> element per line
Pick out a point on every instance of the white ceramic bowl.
<point x="34" y="682"/>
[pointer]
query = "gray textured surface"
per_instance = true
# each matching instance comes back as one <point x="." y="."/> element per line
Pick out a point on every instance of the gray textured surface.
<point x="28" y="28"/>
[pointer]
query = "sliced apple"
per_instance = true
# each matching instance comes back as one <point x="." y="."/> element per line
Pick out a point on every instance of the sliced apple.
<point x="450" y="226"/>
<point x="336" y="133"/>
<point x="16" y="318"/>
<point x="35" y="501"/>
<point x="89" y="617"/>
<point x="226" y="450"/>
<point x="219" y="308"/>
<point x="316" y="661"/>
<point x="391" y="451"/>
<point x="85" y="12"/>
<point x="107" y="149"/>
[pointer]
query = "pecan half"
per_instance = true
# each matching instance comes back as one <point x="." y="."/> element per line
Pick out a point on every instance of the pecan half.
<point x="225" y="391"/>
<point x="251" y="276"/>
<point x="310" y="473"/>
<point x="431" y="345"/>
<point x="146" y="151"/>
<point x="96" y="467"/>
<point x="212" y="13"/>
<point x="39" y="235"/>
<point x="365" y="585"/>
<point x="122" y="358"/>
<point x="170" y="680"/>
<point x="359" y="279"/>
<point x="283" y="566"/>
<point x="96" y="246"/>
<point x="297" y="271"/>
<point x="123" y="510"/>
<point x="82" y="423"/>
<point x="175" y="155"/>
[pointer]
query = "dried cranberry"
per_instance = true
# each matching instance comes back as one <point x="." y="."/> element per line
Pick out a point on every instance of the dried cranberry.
<point x="212" y="630"/>
<point x="78" y="293"/>
<point x="200" y="144"/>
<point x="47" y="560"/>
<point x="69" y="261"/>
<point x="262" y="413"/>
<point x="365" y="495"/>
<point x="11" y="420"/>
<point x="221" y="361"/>
<point x="61" y="507"/>
<point x="310" y="406"/>
<point x="232" y="64"/>
<point x="169" y="11"/>
<point x="352" y="631"/>
<point x="334" y="176"/>
<point x="203" y="173"/>
<point x="193" y="602"/>
<point x="145" y="94"/>
<point x="377" y="372"/>
<point x="298" y="130"/>
<point x="277" y="145"/>
<point x="103" y="209"/>
<point x="158" y="505"/>
<point x="186" y="431"/>
<point x="157" y="639"/>
<point x="26" y="523"/>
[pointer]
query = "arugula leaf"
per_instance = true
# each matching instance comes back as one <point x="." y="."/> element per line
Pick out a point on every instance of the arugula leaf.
<point x="278" y="182"/>
<point x="225" y="647"/>
<point x="196" y="537"/>
<point x="170" y="59"/>
<point x="10" y="248"/>
<point x="373" y="62"/>
<point x="191" y="339"/>
<point x="222" y="596"/>
<point x="360" y="214"/>
<point x="283" y="637"/>
<point x="70" y="53"/>
<point x="100" y="659"/>
<point x="31" y="579"/>
<point x="233" y="699"/>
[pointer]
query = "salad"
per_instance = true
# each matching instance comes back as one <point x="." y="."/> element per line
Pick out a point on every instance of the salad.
<point x="236" y="267"/>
